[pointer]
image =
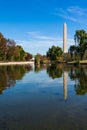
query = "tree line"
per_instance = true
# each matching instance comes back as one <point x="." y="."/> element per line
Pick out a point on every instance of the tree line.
<point x="9" y="51"/>
<point x="54" y="54"/>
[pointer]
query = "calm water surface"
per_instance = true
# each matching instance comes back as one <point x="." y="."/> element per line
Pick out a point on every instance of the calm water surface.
<point x="43" y="98"/>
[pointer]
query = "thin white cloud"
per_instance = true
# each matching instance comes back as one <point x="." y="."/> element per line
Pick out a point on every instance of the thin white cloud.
<point x="67" y="17"/>
<point x="77" y="10"/>
<point x="72" y="13"/>
<point x="38" y="35"/>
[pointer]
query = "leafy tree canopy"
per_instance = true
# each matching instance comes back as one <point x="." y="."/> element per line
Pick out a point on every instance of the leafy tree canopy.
<point x="80" y="47"/>
<point x="54" y="53"/>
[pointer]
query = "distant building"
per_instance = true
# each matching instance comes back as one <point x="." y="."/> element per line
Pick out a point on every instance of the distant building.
<point x="65" y="38"/>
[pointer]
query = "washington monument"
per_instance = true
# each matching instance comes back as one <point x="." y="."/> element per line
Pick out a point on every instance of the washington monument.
<point x="64" y="38"/>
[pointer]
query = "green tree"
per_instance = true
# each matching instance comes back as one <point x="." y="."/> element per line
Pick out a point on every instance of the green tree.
<point x="54" y="53"/>
<point x="80" y="38"/>
<point x="22" y="53"/>
<point x="72" y="51"/>
<point x="37" y="59"/>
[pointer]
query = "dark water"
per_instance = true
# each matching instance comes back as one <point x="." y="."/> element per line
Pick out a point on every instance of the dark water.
<point x="43" y="98"/>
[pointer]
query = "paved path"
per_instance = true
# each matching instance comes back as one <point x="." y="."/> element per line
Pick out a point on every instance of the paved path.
<point x="17" y="63"/>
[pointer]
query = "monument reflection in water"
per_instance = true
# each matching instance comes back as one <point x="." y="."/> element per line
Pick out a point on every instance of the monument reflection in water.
<point x="65" y="84"/>
<point x="44" y="98"/>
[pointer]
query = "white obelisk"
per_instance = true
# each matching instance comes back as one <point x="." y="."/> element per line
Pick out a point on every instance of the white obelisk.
<point x="65" y="38"/>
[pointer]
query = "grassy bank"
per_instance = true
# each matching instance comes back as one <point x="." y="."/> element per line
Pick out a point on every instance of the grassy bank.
<point x="81" y="62"/>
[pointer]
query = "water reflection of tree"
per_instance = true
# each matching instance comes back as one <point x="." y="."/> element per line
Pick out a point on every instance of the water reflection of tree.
<point x="80" y="76"/>
<point x="39" y="68"/>
<point x="9" y="75"/>
<point x="54" y="71"/>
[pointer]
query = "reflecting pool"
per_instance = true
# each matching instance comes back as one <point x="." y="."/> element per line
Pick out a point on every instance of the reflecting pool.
<point x="43" y="98"/>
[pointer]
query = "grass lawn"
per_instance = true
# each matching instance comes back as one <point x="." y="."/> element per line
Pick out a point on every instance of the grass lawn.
<point x="82" y="62"/>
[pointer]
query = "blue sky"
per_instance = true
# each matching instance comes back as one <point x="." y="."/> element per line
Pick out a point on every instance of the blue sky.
<point x="36" y="25"/>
